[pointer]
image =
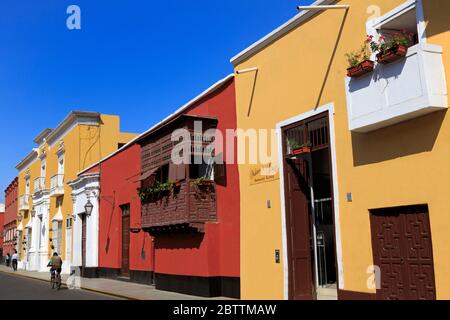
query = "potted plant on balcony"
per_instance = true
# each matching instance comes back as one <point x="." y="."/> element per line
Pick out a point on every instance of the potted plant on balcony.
<point x="359" y="62"/>
<point x="297" y="148"/>
<point x="392" y="47"/>
<point x="159" y="189"/>
<point x="202" y="182"/>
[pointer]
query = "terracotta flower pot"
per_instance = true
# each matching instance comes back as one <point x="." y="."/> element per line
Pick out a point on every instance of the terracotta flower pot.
<point x="392" y="55"/>
<point x="301" y="150"/>
<point x="363" y="68"/>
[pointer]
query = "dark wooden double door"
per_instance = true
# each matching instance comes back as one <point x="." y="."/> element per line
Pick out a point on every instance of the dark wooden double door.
<point x="299" y="233"/>
<point x="298" y="184"/>
<point x="402" y="248"/>
<point x="83" y="244"/>
<point x="125" y="265"/>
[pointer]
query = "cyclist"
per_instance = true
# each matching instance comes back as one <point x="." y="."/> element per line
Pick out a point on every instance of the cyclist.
<point x="55" y="265"/>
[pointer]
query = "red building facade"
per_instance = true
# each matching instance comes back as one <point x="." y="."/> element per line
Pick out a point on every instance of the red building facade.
<point x="125" y="251"/>
<point x="9" y="218"/>
<point x="2" y="219"/>
<point x="203" y="261"/>
<point x="196" y="233"/>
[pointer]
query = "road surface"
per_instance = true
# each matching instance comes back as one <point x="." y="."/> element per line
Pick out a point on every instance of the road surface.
<point x="14" y="287"/>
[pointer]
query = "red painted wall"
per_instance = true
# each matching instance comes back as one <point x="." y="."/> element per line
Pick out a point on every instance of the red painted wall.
<point x="119" y="183"/>
<point x="2" y="219"/>
<point x="10" y="216"/>
<point x="216" y="252"/>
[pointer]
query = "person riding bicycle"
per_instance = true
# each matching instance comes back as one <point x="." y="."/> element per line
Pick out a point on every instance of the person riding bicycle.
<point x="55" y="264"/>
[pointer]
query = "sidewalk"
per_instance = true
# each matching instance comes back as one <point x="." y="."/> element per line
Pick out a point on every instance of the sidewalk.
<point x="120" y="289"/>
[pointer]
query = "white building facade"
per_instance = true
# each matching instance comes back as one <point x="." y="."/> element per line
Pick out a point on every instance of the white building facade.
<point x="85" y="197"/>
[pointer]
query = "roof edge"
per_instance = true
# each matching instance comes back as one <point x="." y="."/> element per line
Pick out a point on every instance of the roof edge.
<point x="25" y="160"/>
<point x="278" y="33"/>
<point x="71" y="118"/>
<point x="44" y="134"/>
<point x="208" y="91"/>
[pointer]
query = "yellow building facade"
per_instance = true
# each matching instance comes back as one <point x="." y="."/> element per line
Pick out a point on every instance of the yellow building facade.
<point x="369" y="218"/>
<point x="45" y="202"/>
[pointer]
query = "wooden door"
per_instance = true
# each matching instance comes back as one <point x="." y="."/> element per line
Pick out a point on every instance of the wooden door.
<point x="300" y="243"/>
<point x="125" y="268"/>
<point x="83" y="244"/>
<point x="402" y="247"/>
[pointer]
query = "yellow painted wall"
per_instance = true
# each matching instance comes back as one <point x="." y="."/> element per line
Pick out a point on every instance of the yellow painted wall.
<point x="404" y="164"/>
<point x="84" y="145"/>
<point x="34" y="171"/>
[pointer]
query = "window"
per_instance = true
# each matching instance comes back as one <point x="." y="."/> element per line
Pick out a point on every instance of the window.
<point x="406" y="17"/>
<point x="125" y="209"/>
<point x="69" y="223"/>
<point x="29" y="239"/>
<point x="19" y="243"/>
<point x="43" y="167"/>
<point x="27" y="186"/>
<point x="59" y="246"/>
<point x="204" y="170"/>
<point x="57" y="229"/>
<point x="61" y="163"/>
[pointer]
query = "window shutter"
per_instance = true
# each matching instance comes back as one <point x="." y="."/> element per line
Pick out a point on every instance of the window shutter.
<point x="177" y="172"/>
<point x="148" y="179"/>
<point x="220" y="170"/>
<point x="181" y="172"/>
<point x="172" y="172"/>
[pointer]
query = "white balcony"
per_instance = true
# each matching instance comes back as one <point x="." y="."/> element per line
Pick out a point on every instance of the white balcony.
<point x="57" y="185"/>
<point x="39" y="184"/>
<point x="24" y="202"/>
<point x="405" y="89"/>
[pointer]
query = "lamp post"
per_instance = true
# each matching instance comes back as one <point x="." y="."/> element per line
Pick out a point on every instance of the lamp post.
<point x="88" y="208"/>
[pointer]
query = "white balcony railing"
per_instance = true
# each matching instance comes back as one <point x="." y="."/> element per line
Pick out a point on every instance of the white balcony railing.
<point x="402" y="90"/>
<point x="57" y="185"/>
<point x="39" y="184"/>
<point x="24" y="202"/>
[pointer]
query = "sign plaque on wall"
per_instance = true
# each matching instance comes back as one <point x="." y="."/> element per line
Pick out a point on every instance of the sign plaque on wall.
<point x="264" y="173"/>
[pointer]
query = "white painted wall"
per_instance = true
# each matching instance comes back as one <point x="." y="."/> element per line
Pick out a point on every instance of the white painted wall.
<point x="85" y="188"/>
<point x="399" y="91"/>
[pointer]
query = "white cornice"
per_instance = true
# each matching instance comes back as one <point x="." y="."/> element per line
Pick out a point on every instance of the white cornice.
<point x="84" y="180"/>
<point x="28" y="160"/>
<point x="278" y="33"/>
<point x="73" y="119"/>
<point x="41" y="137"/>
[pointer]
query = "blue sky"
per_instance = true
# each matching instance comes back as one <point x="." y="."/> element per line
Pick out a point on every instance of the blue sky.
<point x="140" y="59"/>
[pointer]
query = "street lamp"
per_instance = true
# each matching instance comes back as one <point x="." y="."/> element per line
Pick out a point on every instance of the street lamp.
<point x="88" y="208"/>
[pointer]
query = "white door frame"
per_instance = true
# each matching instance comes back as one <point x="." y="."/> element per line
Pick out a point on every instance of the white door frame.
<point x="280" y="125"/>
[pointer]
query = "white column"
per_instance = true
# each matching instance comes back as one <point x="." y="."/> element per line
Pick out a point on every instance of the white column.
<point x="43" y="233"/>
<point x="76" y="254"/>
<point x="92" y="227"/>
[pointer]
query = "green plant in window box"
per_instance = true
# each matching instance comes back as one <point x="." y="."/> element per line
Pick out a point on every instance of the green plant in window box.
<point x="202" y="181"/>
<point x="158" y="189"/>
<point x="299" y="148"/>
<point x="393" y="46"/>
<point x="359" y="62"/>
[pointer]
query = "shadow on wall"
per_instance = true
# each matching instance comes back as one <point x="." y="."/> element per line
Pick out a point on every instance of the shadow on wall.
<point x="179" y="241"/>
<point x="439" y="22"/>
<point x="404" y="139"/>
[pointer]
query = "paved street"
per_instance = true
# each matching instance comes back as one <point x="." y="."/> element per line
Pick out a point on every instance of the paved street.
<point x="14" y="287"/>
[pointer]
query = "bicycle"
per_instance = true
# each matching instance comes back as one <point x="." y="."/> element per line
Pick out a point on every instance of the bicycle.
<point x="55" y="280"/>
